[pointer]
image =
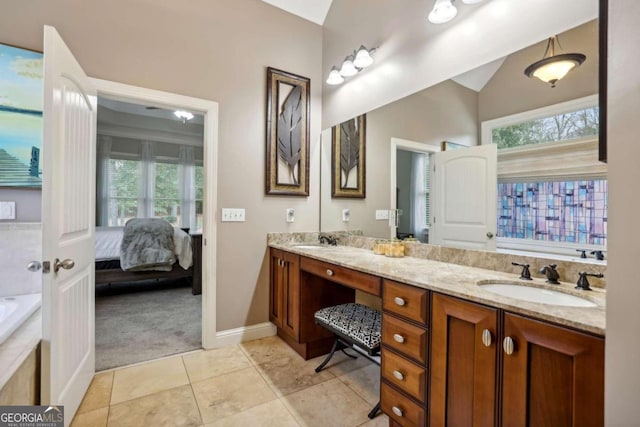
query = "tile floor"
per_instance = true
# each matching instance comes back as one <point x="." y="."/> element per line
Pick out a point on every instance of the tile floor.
<point x="257" y="383"/>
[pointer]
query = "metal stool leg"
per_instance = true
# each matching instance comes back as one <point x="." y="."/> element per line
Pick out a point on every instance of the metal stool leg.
<point x="374" y="411"/>
<point x="336" y="343"/>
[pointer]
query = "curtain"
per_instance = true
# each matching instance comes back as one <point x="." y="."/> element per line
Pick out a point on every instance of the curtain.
<point x="103" y="181"/>
<point x="187" y="187"/>
<point x="147" y="181"/>
<point x="417" y="196"/>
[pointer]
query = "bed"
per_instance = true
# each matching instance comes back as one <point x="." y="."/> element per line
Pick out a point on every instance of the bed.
<point x="188" y="255"/>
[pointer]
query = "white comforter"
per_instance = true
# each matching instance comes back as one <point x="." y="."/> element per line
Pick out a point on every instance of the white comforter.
<point x="109" y="240"/>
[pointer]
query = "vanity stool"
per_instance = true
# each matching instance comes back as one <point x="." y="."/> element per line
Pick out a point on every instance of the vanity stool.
<point x="353" y="325"/>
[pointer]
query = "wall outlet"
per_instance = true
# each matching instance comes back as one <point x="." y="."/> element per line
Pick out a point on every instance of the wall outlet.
<point x="232" y="215"/>
<point x="346" y="215"/>
<point x="291" y="215"/>
<point x="382" y="214"/>
<point x="7" y="210"/>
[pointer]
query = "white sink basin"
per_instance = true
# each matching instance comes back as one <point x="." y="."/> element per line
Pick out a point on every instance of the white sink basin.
<point x="310" y="246"/>
<point x="541" y="295"/>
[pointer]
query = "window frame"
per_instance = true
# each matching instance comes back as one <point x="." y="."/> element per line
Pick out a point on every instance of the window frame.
<point x="547" y="161"/>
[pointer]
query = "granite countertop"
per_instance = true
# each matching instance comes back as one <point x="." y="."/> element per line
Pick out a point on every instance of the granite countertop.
<point x="461" y="281"/>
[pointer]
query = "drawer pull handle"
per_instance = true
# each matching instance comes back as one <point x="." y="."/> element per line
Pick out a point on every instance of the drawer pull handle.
<point x="398" y="338"/>
<point x="398" y="375"/>
<point x="486" y="338"/>
<point x="508" y="345"/>
<point x="397" y="411"/>
<point x="399" y="301"/>
<point x="329" y="272"/>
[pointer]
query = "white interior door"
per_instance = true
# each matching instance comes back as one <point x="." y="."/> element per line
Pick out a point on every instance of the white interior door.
<point x="68" y="223"/>
<point x="464" y="185"/>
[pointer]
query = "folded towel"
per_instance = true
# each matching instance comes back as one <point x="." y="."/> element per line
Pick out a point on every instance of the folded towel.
<point x="147" y="244"/>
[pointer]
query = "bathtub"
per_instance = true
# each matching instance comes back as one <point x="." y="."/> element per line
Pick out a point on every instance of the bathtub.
<point x="14" y="310"/>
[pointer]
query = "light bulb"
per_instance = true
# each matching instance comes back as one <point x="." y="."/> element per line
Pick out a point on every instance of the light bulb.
<point x="348" y="69"/>
<point x="443" y="11"/>
<point x="184" y="115"/>
<point x="363" y="58"/>
<point x="334" y="77"/>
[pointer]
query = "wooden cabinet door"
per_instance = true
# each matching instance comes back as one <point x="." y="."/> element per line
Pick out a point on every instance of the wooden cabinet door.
<point x="276" y="283"/>
<point x="463" y="369"/>
<point x="554" y="376"/>
<point x="291" y="294"/>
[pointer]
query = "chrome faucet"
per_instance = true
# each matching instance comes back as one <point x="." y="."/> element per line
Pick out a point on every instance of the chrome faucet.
<point x="583" y="283"/>
<point x="327" y="239"/>
<point x="551" y="273"/>
<point x="525" y="274"/>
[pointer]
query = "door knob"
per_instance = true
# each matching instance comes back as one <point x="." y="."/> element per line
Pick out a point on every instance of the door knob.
<point x="508" y="345"/>
<point x="489" y="235"/>
<point x="34" y="266"/>
<point x="67" y="264"/>
<point x="486" y="338"/>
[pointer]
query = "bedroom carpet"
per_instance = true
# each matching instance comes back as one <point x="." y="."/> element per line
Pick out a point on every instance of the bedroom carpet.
<point x="145" y="320"/>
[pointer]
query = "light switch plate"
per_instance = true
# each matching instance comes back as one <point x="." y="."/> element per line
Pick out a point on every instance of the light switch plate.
<point x="346" y="215"/>
<point x="232" y="215"/>
<point x="382" y="214"/>
<point x="7" y="210"/>
<point x="291" y="215"/>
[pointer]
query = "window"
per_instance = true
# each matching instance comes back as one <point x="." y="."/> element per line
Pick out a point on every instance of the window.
<point x="552" y="191"/>
<point x="124" y="191"/>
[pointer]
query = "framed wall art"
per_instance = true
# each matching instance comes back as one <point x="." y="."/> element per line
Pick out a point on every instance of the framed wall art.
<point x="288" y="99"/>
<point x="348" y="168"/>
<point x="21" y="102"/>
<point x="448" y="145"/>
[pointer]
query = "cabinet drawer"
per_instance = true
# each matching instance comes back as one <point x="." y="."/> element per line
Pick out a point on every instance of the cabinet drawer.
<point x="406" y="375"/>
<point x="404" y="337"/>
<point x="345" y="276"/>
<point x="405" y="300"/>
<point x="400" y="408"/>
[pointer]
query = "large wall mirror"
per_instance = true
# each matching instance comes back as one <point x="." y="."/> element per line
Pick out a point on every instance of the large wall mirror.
<point x="551" y="191"/>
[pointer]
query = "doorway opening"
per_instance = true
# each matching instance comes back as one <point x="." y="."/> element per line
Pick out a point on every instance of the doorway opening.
<point x="154" y="163"/>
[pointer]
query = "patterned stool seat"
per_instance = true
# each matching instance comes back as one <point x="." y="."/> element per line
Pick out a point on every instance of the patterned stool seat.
<point x="353" y="322"/>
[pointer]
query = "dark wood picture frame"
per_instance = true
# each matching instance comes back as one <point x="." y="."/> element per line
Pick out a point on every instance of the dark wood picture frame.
<point x="348" y="153"/>
<point x="288" y="121"/>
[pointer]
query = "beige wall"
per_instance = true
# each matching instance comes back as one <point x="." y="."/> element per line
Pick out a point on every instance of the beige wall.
<point x="622" y="369"/>
<point x="446" y="111"/>
<point x="510" y="91"/>
<point x="217" y="50"/>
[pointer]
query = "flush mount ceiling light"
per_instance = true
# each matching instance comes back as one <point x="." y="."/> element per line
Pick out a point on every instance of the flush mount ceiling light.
<point x="552" y="67"/>
<point x="352" y="65"/>
<point x="183" y="115"/>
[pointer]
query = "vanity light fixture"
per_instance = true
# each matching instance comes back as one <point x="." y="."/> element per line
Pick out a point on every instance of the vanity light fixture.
<point x="352" y="65"/>
<point x="444" y="11"/>
<point x="552" y="67"/>
<point x="183" y="115"/>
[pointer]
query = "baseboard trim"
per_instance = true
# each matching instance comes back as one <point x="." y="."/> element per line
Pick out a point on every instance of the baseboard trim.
<point x="245" y="333"/>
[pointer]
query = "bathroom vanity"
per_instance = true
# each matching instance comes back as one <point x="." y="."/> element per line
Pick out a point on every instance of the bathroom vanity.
<point x="452" y="353"/>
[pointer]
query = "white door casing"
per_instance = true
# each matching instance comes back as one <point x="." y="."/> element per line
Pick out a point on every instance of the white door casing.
<point x="136" y="94"/>
<point x="464" y="185"/>
<point x="407" y="145"/>
<point x="68" y="223"/>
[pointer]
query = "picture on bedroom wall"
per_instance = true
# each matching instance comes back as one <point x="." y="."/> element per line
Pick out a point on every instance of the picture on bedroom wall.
<point x="21" y="103"/>
<point x="348" y="140"/>
<point x="288" y="99"/>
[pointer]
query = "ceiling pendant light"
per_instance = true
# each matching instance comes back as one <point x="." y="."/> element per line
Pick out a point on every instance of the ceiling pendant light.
<point x="334" y="77"/>
<point x="443" y="11"/>
<point x="363" y="58"/>
<point x="348" y="69"/>
<point x="552" y="67"/>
